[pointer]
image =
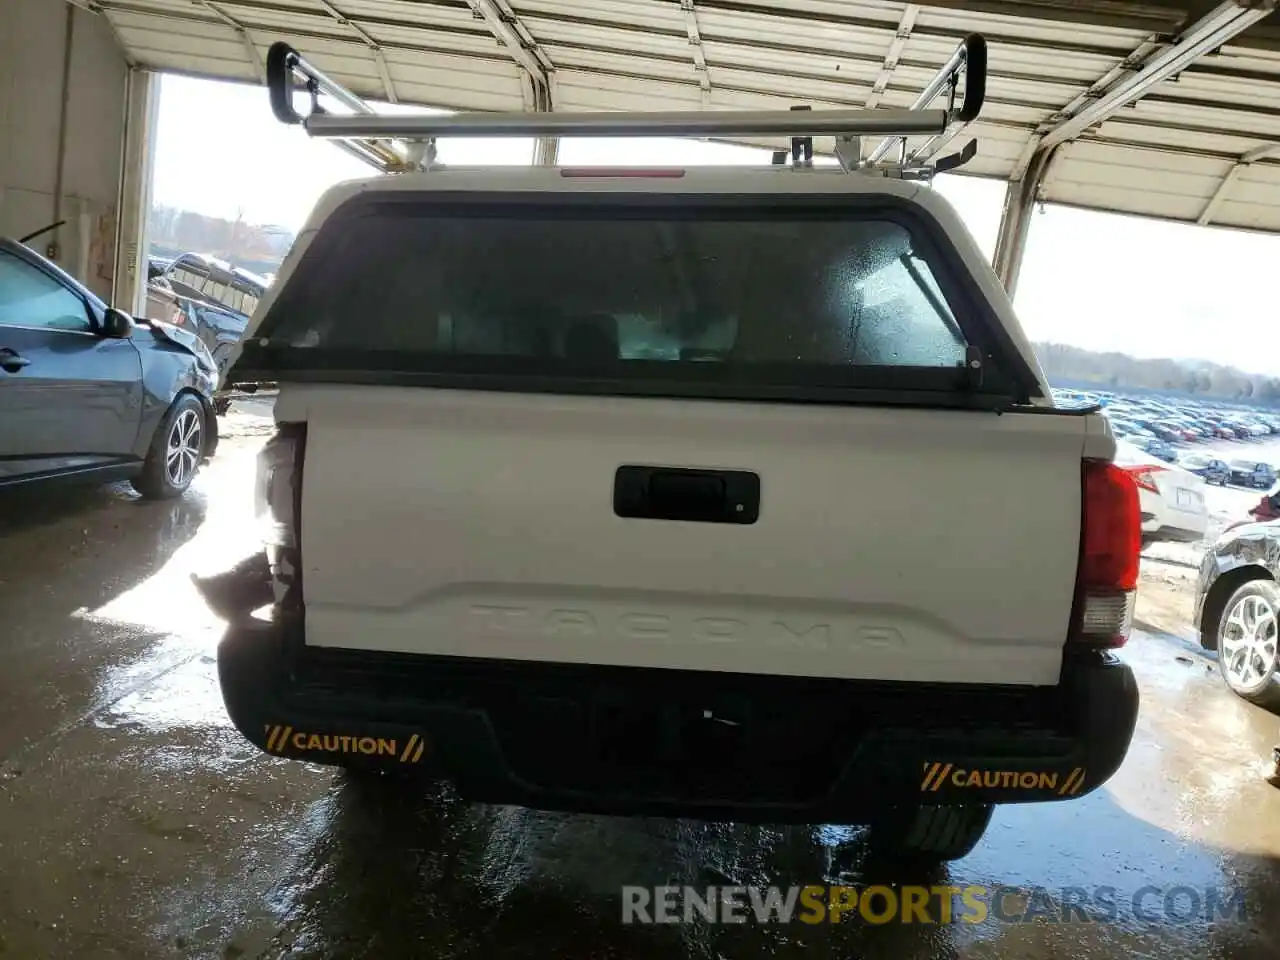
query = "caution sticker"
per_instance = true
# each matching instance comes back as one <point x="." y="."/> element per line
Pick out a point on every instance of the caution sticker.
<point x="938" y="774"/>
<point x="281" y="737"/>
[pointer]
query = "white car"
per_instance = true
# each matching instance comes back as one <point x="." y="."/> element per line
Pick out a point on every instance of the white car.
<point x="712" y="493"/>
<point x="1172" y="499"/>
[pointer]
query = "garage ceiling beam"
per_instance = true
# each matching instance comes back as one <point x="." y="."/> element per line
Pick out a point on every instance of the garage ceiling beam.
<point x="515" y="36"/>
<point x="241" y="31"/>
<point x="1224" y="185"/>
<point x="1095" y="92"/>
<point x="743" y="58"/>
<point x="100" y="10"/>
<point x="1149" y="65"/>
<point x="1224" y="22"/>
<point x="906" y="24"/>
<point x="375" y="48"/>
<point x="1113" y="14"/>
<point x="695" y="45"/>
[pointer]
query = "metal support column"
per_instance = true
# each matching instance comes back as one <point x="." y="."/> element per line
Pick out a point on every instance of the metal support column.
<point x="1015" y="219"/>
<point x="510" y="31"/>
<point x="133" y="199"/>
<point x="546" y="150"/>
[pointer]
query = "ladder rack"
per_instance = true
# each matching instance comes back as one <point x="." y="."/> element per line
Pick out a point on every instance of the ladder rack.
<point x="398" y="143"/>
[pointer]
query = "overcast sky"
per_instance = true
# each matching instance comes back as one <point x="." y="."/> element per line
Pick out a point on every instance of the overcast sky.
<point x="1094" y="280"/>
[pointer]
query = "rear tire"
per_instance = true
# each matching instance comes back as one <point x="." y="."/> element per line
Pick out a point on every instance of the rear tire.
<point x="1248" y="635"/>
<point x="176" y="451"/>
<point x="929" y="833"/>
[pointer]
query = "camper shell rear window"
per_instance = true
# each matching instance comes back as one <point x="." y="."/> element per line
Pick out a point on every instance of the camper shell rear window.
<point x="804" y="298"/>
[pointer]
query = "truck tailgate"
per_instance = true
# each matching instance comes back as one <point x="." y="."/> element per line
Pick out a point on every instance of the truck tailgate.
<point x="897" y="545"/>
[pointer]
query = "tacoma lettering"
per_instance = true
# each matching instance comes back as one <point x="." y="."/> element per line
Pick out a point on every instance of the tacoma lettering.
<point x="680" y="627"/>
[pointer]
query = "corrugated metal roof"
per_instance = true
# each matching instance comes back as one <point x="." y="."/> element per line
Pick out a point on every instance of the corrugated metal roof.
<point x="1174" y="153"/>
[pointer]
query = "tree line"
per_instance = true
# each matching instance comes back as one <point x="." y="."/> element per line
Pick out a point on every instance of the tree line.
<point x="237" y="241"/>
<point x="1120" y="371"/>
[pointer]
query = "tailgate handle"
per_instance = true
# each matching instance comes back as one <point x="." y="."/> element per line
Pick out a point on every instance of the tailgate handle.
<point x="695" y="496"/>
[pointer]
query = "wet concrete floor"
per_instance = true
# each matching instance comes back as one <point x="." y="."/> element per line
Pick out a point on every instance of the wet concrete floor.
<point x="134" y="821"/>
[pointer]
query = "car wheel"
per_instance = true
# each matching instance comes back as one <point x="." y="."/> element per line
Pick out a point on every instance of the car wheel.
<point x="928" y="833"/>
<point x="176" y="451"/>
<point x="1247" y="642"/>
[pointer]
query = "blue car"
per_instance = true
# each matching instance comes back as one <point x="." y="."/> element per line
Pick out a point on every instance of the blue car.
<point x="1212" y="469"/>
<point x="89" y="393"/>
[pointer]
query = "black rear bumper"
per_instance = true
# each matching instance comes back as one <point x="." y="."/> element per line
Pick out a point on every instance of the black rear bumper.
<point x="675" y="743"/>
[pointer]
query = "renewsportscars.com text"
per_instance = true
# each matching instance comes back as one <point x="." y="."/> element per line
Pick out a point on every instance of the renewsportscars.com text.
<point x="939" y="905"/>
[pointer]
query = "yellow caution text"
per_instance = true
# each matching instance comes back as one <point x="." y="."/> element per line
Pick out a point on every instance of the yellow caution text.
<point x="939" y="775"/>
<point x="281" y="737"/>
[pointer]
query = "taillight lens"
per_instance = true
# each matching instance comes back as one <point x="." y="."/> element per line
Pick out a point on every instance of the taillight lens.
<point x="1144" y="477"/>
<point x="278" y="507"/>
<point x="275" y="496"/>
<point x="1110" y="544"/>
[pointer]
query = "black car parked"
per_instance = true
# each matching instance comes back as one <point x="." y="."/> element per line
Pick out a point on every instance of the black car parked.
<point x="87" y="392"/>
<point x="1250" y="473"/>
<point x="1238" y="602"/>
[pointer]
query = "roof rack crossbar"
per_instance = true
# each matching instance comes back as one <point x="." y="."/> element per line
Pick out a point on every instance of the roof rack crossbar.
<point x="738" y="123"/>
<point x="380" y="140"/>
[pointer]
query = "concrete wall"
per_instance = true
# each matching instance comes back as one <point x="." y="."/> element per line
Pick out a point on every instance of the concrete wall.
<point x="32" y="37"/>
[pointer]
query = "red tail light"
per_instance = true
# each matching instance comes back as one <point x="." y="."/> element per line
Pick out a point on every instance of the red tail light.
<point x="278" y="506"/>
<point x="1144" y="476"/>
<point x="1110" y="542"/>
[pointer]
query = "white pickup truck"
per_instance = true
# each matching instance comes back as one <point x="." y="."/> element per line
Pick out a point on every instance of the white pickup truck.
<point x="733" y="494"/>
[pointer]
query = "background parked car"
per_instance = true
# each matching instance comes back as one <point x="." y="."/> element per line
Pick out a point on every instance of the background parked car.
<point x="1212" y="469"/>
<point x="208" y="296"/>
<point x="1170" y="432"/>
<point x="1160" y="449"/>
<point x="1237" y="605"/>
<point x="1251" y="473"/>
<point x="86" y="392"/>
<point x="156" y="266"/>
<point x="1223" y="431"/>
<point x="1172" y="499"/>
